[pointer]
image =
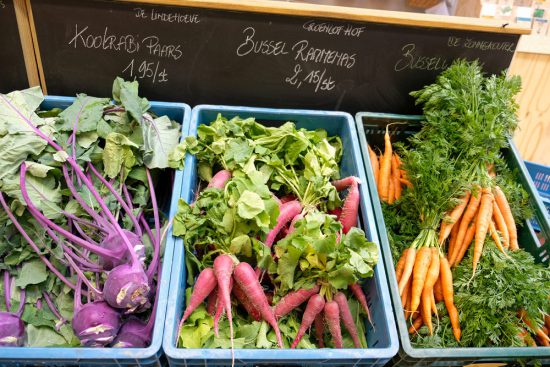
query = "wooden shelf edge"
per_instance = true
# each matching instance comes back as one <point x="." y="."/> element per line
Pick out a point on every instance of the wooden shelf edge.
<point x="27" y="46"/>
<point x="534" y="44"/>
<point x="349" y="13"/>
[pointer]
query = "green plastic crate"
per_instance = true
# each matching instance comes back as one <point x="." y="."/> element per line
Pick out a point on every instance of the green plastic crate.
<point x="371" y="129"/>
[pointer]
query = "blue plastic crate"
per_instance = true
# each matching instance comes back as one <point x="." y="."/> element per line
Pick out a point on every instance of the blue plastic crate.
<point x="371" y="129"/>
<point x="150" y="356"/>
<point x="382" y="340"/>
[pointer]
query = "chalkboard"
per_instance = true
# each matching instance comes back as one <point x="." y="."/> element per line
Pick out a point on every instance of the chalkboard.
<point x="216" y="56"/>
<point x="13" y="73"/>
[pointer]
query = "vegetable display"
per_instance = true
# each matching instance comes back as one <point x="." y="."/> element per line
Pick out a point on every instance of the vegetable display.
<point x="272" y="241"/>
<point x="453" y="230"/>
<point x="81" y="232"/>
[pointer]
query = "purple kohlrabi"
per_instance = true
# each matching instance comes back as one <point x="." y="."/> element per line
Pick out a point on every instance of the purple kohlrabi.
<point x="96" y="324"/>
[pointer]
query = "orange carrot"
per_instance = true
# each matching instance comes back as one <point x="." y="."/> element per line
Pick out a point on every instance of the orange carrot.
<point x="427" y="291"/>
<point x="408" y="312"/>
<point x="452" y="241"/>
<point x="406" y="291"/>
<point x="465" y="245"/>
<point x="524" y="335"/>
<point x="438" y="293"/>
<point x="482" y="225"/>
<point x="434" y="306"/>
<point x="385" y="168"/>
<point x="501" y="224"/>
<point x="547" y="321"/>
<point x="400" y="265"/>
<point x="406" y="182"/>
<point x="421" y="266"/>
<point x="448" y="224"/>
<point x="537" y="331"/>
<point x="504" y="207"/>
<point x="448" y="296"/>
<point x="417" y="324"/>
<point x="395" y="177"/>
<point x="407" y="269"/>
<point x="496" y="239"/>
<point x="469" y="214"/>
<point x="374" y="163"/>
<point x="391" y="191"/>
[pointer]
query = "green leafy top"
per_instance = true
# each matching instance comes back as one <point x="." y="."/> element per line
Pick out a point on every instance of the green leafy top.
<point x="472" y="114"/>
<point x="317" y="252"/>
<point x="297" y="161"/>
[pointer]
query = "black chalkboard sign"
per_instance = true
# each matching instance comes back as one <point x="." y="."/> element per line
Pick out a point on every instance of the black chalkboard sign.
<point x="218" y="56"/>
<point x="13" y="73"/>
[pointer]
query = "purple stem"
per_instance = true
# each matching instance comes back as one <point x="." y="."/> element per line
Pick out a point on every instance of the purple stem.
<point x="16" y="223"/>
<point x="149" y="233"/>
<point x="114" y="109"/>
<point x="82" y="276"/>
<point x="83" y="234"/>
<point x="22" y="298"/>
<point x="117" y="196"/>
<point x="84" y="222"/>
<point x="53" y="308"/>
<point x="156" y="243"/>
<point x="78" y="296"/>
<point x="90" y="266"/>
<point x="41" y="218"/>
<point x="39" y="303"/>
<point x="7" y="290"/>
<point x="80" y="199"/>
<point x="77" y="168"/>
<point x="129" y="202"/>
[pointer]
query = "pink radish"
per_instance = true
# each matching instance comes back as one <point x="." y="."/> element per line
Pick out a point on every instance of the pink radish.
<point x="293" y="300"/>
<point x="360" y="296"/>
<point x="332" y="317"/>
<point x="288" y="211"/>
<point x="314" y="307"/>
<point x="320" y="329"/>
<point x="223" y="269"/>
<point x="337" y="212"/>
<point x="219" y="309"/>
<point x="347" y="318"/>
<point x="246" y="278"/>
<point x="212" y="302"/>
<point x="220" y="179"/>
<point x="344" y="183"/>
<point x="243" y="299"/>
<point x="350" y="209"/>
<point x="206" y="282"/>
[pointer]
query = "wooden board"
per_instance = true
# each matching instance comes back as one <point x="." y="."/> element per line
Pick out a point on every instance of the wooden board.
<point x="220" y="56"/>
<point x="533" y="135"/>
<point x="13" y="70"/>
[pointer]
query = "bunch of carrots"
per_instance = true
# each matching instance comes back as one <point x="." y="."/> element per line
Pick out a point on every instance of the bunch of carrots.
<point x="480" y="212"/>
<point x="423" y="271"/>
<point x="390" y="178"/>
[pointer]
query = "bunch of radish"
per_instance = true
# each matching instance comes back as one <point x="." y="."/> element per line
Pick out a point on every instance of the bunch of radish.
<point x="242" y="259"/>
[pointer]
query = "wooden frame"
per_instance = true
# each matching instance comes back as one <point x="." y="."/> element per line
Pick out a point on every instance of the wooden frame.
<point x="349" y="13"/>
<point x="26" y="36"/>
